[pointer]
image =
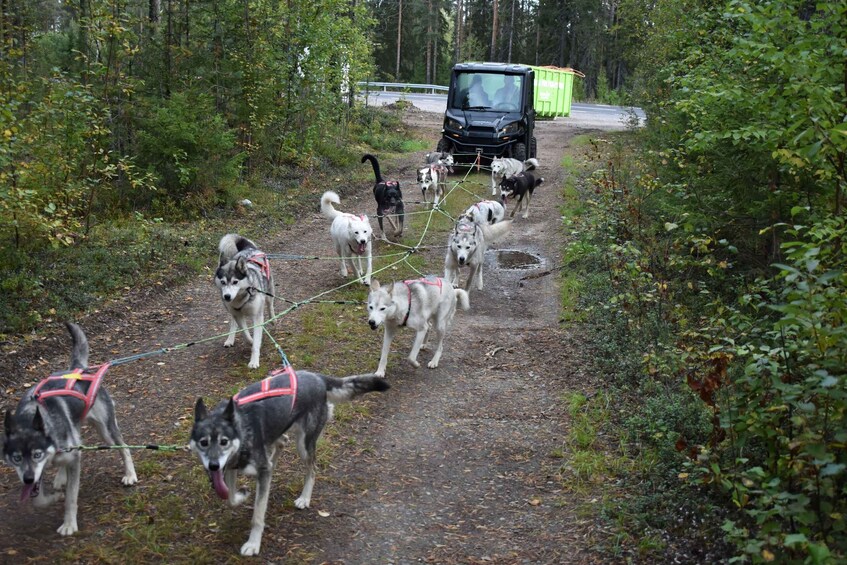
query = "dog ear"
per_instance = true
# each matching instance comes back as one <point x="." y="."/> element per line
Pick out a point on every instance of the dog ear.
<point x="374" y="285"/>
<point x="241" y="265"/>
<point x="9" y="423"/>
<point x="200" y="411"/>
<point x="229" y="412"/>
<point x="38" y="421"/>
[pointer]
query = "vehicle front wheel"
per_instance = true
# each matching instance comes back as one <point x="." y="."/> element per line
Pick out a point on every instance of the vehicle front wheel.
<point x="519" y="152"/>
<point x="444" y="145"/>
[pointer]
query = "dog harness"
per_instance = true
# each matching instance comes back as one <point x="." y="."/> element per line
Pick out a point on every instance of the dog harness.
<point x="430" y="280"/>
<point x="264" y="264"/>
<point x="275" y="384"/>
<point x="92" y="375"/>
<point x="359" y="217"/>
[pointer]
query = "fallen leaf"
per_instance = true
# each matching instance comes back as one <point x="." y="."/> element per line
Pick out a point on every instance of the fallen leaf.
<point x="323" y="513"/>
<point x="535" y="501"/>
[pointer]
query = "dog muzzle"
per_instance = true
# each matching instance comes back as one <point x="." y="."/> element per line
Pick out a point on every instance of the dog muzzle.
<point x="373" y="324"/>
<point x="30" y="490"/>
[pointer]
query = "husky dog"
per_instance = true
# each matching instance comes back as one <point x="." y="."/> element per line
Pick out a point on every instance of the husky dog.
<point x="247" y="284"/>
<point x="245" y="433"/>
<point x="351" y="235"/>
<point x="518" y="186"/>
<point x="441" y="158"/>
<point x="466" y="247"/>
<point x="418" y="304"/>
<point x="47" y="425"/>
<point x="486" y="212"/>
<point x="503" y="167"/>
<point x="433" y="178"/>
<point x="389" y="199"/>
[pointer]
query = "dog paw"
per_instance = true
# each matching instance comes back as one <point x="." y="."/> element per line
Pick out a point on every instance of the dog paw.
<point x="250" y="548"/>
<point x="379" y="373"/>
<point x="129" y="480"/>
<point x="229" y="342"/>
<point x="253" y="364"/>
<point x="432" y="364"/>
<point x="68" y="528"/>
<point x="413" y="362"/>
<point x="302" y="503"/>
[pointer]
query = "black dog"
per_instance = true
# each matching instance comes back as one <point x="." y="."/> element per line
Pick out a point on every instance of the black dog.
<point x="389" y="199"/>
<point x="519" y="185"/>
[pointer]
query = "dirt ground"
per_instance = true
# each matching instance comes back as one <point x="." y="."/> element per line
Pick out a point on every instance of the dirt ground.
<point x="454" y="465"/>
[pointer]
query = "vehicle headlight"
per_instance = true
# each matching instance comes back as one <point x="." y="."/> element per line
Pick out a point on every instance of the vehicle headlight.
<point x="510" y="129"/>
<point x="453" y="124"/>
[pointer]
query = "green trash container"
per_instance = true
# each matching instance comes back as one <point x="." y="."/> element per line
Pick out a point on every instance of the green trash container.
<point x="553" y="91"/>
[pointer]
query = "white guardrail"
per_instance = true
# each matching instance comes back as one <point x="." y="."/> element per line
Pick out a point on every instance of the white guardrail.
<point x="401" y="87"/>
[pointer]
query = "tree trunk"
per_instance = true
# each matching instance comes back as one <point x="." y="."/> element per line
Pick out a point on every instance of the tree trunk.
<point x="428" y="78"/>
<point x="494" y="32"/>
<point x="511" y="32"/>
<point x="459" y="18"/>
<point x="399" y="37"/>
<point x="168" y="43"/>
<point x="537" y="32"/>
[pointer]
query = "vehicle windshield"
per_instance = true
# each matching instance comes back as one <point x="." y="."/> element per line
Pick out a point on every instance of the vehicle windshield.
<point x="487" y="91"/>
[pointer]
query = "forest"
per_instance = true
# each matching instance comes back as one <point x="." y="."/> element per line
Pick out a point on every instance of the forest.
<point x="719" y="227"/>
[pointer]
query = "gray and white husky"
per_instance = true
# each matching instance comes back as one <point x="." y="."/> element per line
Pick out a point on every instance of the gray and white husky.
<point x="47" y="425"/>
<point x="466" y="248"/>
<point x="247" y="287"/>
<point x="351" y="235"/>
<point x="418" y="304"/>
<point x="505" y="167"/>
<point x="245" y="433"/>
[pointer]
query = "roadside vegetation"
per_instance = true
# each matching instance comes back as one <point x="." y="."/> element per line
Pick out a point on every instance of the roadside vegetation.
<point x="708" y="261"/>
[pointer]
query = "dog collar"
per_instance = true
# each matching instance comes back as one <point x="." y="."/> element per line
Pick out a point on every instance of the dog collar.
<point x="279" y="382"/>
<point x="93" y="376"/>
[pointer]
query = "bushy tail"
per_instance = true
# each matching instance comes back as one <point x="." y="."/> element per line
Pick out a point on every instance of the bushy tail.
<point x="374" y="164"/>
<point x="348" y="388"/>
<point x="327" y="200"/>
<point x="231" y="244"/>
<point x="79" y="346"/>
<point x="494" y="232"/>
<point x="530" y="164"/>
<point x="538" y="181"/>
<point x="463" y="298"/>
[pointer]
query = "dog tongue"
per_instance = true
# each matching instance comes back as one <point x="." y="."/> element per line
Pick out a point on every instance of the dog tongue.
<point x="219" y="484"/>
<point x="362" y="248"/>
<point x="26" y="492"/>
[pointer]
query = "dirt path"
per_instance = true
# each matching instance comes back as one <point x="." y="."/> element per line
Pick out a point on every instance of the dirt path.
<point x="453" y="465"/>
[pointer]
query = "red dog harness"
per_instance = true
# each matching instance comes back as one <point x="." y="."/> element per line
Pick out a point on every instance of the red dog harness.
<point x="264" y="264"/>
<point x="359" y="217"/>
<point x="93" y="376"/>
<point x="434" y="281"/>
<point x="273" y="385"/>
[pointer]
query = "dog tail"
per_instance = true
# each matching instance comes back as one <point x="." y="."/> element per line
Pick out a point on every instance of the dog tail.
<point x="327" y="200"/>
<point x="348" y="388"/>
<point x="539" y="180"/>
<point x="231" y="244"/>
<point x="79" y="346"/>
<point x="494" y="232"/>
<point x="374" y="164"/>
<point x="463" y="298"/>
<point x="530" y="164"/>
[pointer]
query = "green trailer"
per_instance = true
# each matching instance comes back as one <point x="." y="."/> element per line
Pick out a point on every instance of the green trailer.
<point x="553" y="91"/>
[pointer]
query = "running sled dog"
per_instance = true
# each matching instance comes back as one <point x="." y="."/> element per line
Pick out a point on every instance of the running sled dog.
<point x="466" y="248"/>
<point x="505" y="167"/>
<point x="245" y="434"/>
<point x="47" y="426"/>
<point x="389" y="199"/>
<point x="519" y="186"/>
<point x="351" y="236"/>
<point x="420" y="304"/>
<point x="246" y="283"/>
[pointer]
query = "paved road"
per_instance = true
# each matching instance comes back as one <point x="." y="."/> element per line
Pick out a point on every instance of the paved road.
<point x="582" y="115"/>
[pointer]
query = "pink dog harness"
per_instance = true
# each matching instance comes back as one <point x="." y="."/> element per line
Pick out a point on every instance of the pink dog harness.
<point x="279" y="382"/>
<point x="264" y="264"/>
<point x="92" y="376"/>
<point x="433" y="281"/>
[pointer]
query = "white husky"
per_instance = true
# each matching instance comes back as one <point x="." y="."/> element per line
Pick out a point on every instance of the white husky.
<point x="351" y="235"/>
<point x="466" y="247"/>
<point x="504" y="167"/>
<point x="486" y="212"/>
<point x="418" y="304"/>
